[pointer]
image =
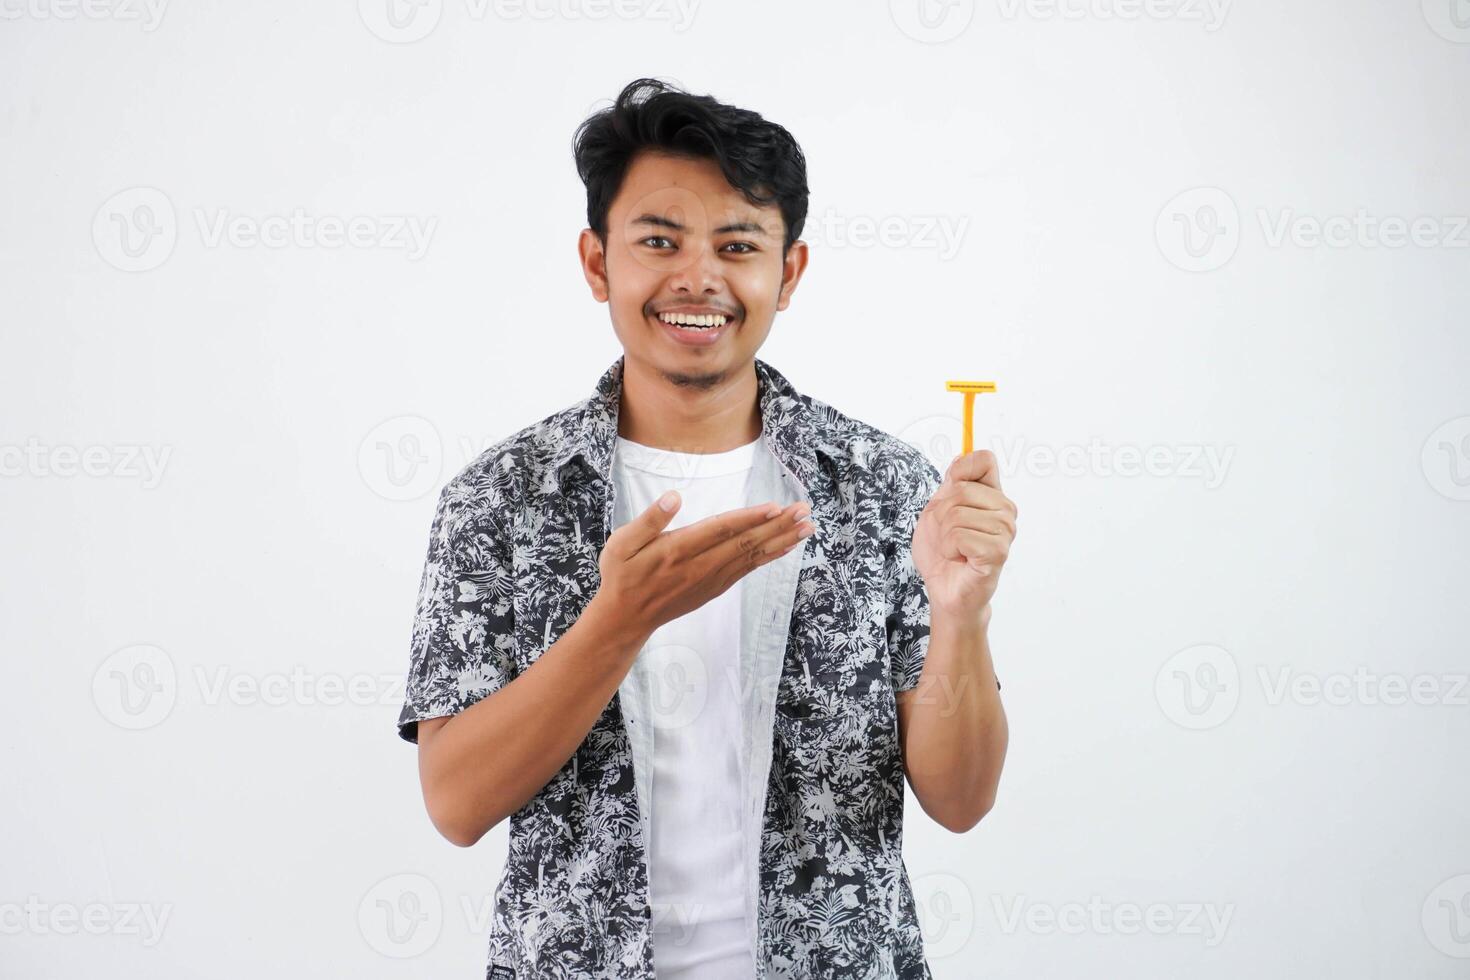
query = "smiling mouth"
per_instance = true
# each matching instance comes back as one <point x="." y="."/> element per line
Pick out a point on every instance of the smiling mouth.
<point x="695" y="323"/>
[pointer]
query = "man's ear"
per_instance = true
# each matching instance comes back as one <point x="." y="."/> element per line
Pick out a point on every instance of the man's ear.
<point x="791" y="270"/>
<point x="593" y="256"/>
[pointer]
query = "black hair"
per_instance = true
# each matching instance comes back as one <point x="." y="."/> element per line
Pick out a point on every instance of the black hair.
<point x="758" y="158"/>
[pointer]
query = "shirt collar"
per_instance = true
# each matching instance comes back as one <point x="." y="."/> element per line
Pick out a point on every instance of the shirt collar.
<point x="795" y="430"/>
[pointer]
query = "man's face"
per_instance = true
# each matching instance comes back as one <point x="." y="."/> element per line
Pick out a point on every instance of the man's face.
<point x="680" y="238"/>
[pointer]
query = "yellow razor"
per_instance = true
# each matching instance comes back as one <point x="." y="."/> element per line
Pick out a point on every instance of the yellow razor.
<point x="971" y="389"/>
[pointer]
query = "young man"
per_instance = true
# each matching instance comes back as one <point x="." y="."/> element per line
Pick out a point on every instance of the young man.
<point x="690" y="633"/>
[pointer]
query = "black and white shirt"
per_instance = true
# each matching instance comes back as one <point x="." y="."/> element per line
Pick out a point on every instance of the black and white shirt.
<point x="828" y="634"/>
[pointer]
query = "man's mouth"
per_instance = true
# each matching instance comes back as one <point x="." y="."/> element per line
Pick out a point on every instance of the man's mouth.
<point x="696" y="329"/>
<point x="693" y="321"/>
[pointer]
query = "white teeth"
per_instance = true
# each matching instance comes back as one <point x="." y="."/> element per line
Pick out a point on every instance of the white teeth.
<point x="690" y="320"/>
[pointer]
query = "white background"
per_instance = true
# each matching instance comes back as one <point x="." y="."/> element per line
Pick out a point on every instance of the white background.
<point x="1145" y="624"/>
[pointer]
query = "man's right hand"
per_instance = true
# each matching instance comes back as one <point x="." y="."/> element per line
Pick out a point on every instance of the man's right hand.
<point x="652" y="576"/>
<point x="489" y="760"/>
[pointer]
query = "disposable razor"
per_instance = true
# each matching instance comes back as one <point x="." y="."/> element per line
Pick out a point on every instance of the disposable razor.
<point x="971" y="389"/>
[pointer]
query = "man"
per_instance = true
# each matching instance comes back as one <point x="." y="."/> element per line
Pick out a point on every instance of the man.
<point x="690" y="633"/>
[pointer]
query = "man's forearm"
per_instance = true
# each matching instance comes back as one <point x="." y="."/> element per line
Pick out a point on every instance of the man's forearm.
<point x="488" y="760"/>
<point x="955" y="743"/>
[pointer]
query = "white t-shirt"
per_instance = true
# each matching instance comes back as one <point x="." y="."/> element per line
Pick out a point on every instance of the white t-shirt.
<point x="696" y="866"/>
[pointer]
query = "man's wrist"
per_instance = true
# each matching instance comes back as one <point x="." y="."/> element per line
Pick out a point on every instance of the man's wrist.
<point x="611" y="624"/>
<point x="961" y="619"/>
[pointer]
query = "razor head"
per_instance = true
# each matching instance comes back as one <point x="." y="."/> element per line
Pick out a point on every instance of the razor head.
<point x="973" y="387"/>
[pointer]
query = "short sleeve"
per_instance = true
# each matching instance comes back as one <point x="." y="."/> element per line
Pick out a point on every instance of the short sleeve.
<point x="916" y="480"/>
<point x="464" y="627"/>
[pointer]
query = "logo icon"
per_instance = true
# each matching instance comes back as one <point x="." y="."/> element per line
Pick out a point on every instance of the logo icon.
<point x="932" y="21"/>
<point x="1446" y="917"/>
<point x="1198" y="687"/>
<point x="402" y="458"/>
<point x="946" y="910"/>
<point x="400" y="21"/>
<point x="1198" y="230"/>
<point x="936" y="436"/>
<point x="1450" y="19"/>
<point x="135" y="230"/>
<point x="136" y="687"/>
<point x="401" y="916"/>
<point x="679" y="682"/>
<point x="1445" y="459"/>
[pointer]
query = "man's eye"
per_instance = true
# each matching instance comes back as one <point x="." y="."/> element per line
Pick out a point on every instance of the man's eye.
<point x="745" y="245"/>
<point x="656" y="238"/>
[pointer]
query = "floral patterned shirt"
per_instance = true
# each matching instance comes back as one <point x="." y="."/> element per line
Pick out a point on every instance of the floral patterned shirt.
<point x="829" y="633"/>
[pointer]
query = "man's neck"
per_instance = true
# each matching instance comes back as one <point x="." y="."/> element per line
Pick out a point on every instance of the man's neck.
<point x="689" y="415"/>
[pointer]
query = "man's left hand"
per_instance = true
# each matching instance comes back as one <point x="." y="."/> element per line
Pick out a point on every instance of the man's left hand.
<point x="963" y="536"/>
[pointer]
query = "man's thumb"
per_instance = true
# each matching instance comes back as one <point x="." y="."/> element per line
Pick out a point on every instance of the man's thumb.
<point x="635" y="535"/>
<point x="651" y="522"/>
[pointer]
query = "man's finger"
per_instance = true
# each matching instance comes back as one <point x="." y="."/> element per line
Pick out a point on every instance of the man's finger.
<point x="701" y="536"/>
<point x="979" y="466"/>
<point x="972" y="494"/>
<point x="982" y="519"/>
<point x="972" y="545"/>
<point x="648" y="525"/>
<point x="761" y="544"/>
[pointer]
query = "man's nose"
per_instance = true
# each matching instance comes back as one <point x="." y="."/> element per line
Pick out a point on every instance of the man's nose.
<point x="700" y="274"/>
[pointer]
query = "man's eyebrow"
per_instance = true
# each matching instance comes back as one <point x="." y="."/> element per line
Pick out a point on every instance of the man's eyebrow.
<point x="659" y="221"/>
